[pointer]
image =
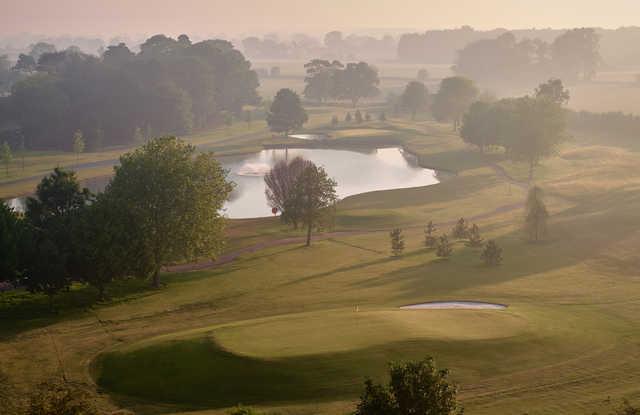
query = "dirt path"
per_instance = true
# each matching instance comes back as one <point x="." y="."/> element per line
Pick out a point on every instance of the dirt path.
<point x="232" y="256"/>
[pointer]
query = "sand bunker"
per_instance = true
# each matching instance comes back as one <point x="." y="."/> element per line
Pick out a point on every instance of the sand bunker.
<point x="309" y="136"/>
<point x="464" y="305"/>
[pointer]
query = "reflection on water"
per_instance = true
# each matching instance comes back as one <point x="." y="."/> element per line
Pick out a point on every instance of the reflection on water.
<point x="355" y="172"/>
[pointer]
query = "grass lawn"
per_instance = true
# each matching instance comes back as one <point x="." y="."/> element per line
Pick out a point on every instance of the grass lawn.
<point x="297" y="330"/>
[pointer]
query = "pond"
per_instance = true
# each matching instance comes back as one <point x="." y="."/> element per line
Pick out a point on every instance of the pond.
<point x="355" y="172"/>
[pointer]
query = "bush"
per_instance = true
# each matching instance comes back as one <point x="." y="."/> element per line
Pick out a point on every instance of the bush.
<point x="492" y="254"/>
<point x="397" y="242"/>
<point x="475" y="239"/>
<point x="430" y="239"/>
<point x="61" y="398"/>
<point x="461" y="230"/>
<point x="414" y="388"/>
<point x="444" y="248"/>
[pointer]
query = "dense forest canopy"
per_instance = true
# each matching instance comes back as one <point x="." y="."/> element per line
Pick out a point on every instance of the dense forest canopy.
<point x="171" y="86"/>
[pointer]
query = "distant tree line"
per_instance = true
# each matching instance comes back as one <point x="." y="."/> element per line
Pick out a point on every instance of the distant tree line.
<point x="572" y="56"/>
<point x="326" y="80"/>
<point x="617" y="124"/>
<point x="162" y="205"/>
<point x="170" y="87"/>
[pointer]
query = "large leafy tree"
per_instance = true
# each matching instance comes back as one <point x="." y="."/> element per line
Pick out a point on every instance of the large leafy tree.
<point x="541" y="128"/>
<point x="313" y="198"/>
<point x="356" y="81"/>
<point x="553" y="90"/>
<point x="172" y="200"/>
<point x="478" y="126"/>
<point x="320" y="79"/>
<point x="286" y="112"/>
<point x="576" y="53"/>
<point x="453" y="99"/>
<point x="415" y="97"/>
<point x="414" y="388"/>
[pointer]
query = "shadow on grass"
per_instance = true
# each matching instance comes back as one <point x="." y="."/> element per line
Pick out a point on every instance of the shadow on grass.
<point x="197" y="373"/>
<point x="21" y="310"/>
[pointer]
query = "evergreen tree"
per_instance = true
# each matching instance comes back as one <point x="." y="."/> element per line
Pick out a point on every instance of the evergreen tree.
<point x="78" y="144"/>
<point x="286" y="112"/>
<point x="138" y="137"/>
<point x="348" y="118"/>
<point x="492" y="254"/>
<point x="6" y="156"/>
<point x="537" y="215"/>
<point x="430" y="239"/>
<point x="358" y="117"/>
<point x="444" y="248"/>
<point x="382" y="117"/>
<point x="397" y="242"/>
<point x="475" y="239"/>
<point x="334" y="121"/>
<point x="461" y="230"/>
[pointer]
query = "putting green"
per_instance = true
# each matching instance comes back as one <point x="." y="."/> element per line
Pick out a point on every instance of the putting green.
<point x="348" y="329"/>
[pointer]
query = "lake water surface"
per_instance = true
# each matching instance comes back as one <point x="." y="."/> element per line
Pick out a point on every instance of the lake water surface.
<point x="354" y="171"/>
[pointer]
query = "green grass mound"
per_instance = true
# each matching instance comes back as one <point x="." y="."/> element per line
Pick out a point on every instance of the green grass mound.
<point x="300" y="357"/>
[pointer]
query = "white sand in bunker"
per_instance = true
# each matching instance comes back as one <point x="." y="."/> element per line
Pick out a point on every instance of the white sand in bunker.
<point x="462" y="305"/>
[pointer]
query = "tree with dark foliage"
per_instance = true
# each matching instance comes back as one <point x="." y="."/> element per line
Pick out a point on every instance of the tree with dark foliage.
<point x="286" y="112"/>
<point x="414" y="388"/>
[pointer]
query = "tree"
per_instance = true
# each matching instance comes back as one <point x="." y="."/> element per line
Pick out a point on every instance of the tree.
<point x="415" y="97"/>
<point x="100" y="239"/>
<point x="367" y="117"/>
<point x="536" y="215"/>
<point x="78" y="144"/>
<point x="286" y="112"/>
<point x="177" y="215"/>
<point x="313" y="198"/>
<point x="357" y="81"/>
<point x="10" y="243"/>
<point x="320" y="79"/>
<point x="358" y="117"/>
<point x="491" y="254"/>
<point x="414" y="388"/>
<point x="334" y="121"/>
<point x="478" y="126"/>
<point x="6" y="156"/>
<point x="138" y="137"/>
<point x="541" y="128"/>
<point x="423" y="75"/>
<point x="397" y="242"/>
<point x="382" y="117"/>
<point x="475" y="239"/>
<point x="48" y="246"/>
<point x="554" y="91"/>
<point x="576" y="53"/>
<point x="461" y="229"/>
<point x="430" y="239"/>
<point x="247" y="117"/>
<point x="280" y="183"/>
<point x="453" y="99"/>
<point x="347" y="117"/>
<point x="444" y="248"/>
<point x="25" y="63"/>
<point x="98" y="140"/>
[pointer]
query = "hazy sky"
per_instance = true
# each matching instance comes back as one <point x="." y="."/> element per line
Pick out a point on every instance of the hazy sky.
<point x="109" y="17"/>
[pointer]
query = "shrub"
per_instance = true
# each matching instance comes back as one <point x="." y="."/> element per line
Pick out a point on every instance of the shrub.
<point x="397" y="242"/>
<point x="461" y="230"/>
<point x="430" y="239"/>
<point x="492" y="254"/>
<point x="475" y="239"/>
<point x="444" y="248"/>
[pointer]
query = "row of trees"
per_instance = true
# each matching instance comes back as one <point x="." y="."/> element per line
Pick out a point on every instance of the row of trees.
<point x="327" y="80"/>
<point x="162" y="205"/>
<point x="491" y="254"/>
<point x="574" y="55"/>
<point x="527" y="128"/>
<point x="170" y="87"/>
